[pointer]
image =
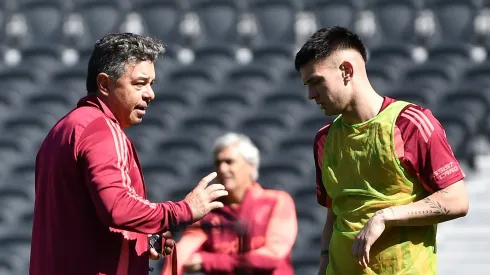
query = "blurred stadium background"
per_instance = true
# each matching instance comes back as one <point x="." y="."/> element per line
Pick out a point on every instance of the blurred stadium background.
<point x="229" y="66"/>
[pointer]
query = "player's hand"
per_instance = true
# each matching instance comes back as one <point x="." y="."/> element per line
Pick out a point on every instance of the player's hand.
<point x="323" y="265"/>
<point x="168" y="245"/>
<point x="194" y="264"/>
<point x="201" y="200"/>
<point x="366" y="238"/>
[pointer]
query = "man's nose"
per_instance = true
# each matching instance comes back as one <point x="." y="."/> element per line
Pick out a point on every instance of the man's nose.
<point x="312" y="94"/>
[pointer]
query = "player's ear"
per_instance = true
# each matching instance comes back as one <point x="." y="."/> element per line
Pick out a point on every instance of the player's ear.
<point x="347" y="70"/>
<point x="103" y="81"/>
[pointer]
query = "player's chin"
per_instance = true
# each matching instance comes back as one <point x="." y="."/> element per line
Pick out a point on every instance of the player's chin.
<point x="136" y="120"/>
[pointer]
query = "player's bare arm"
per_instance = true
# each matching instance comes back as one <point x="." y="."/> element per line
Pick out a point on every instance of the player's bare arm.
<point x="444" y="205"/>
<point x="326" y="236"/>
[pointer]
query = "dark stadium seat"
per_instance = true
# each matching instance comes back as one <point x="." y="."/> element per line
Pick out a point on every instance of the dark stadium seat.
<point x="298" y="145"/>
<point x="181" y="148"/>
<point x="275" y="21"/>
<point x="230" y="102"/>
<point x="33" y="125"/>
<point x="333" y="13"/>
<point x="218" y="21"/>
<point x="197" y="79"/>
<point x="462" y="127"/>
<point x="395" y="20"/>
<point x="44" y="21"/>
<point x="280" y="173"/>
<point x="382" y="77"/>
<point x="42" y="60"/>
<point x="266" y="127"/>
<point x="430" y="76"/>
<point x="73" y="80"/>
<point x="98" y="18"/>
<point x="161" y="18"/>
<point x="14" y="149"/>
<point x="311" y="124"/>
<point x="17" y="241"/>
<point x="150" y="131"/>
<point x="454" y="21"/>
<point x="161" y="175"/>
<point x="456" y="55"/>
<point x="279" y="57"/>
<point x="291" y="80"/>
<point x="252" y="79"/>
<point x="12" y="264"/>
<point x="219" y="56"/>
<point x="207" y="125"/>
<point x="396" y="55"/>
<point x="478" y="74"/>
<point x="51" y="102"/>
<point x="423" y="97"/>
<point x="284" y="101"/>
<point x="17" y="81"/>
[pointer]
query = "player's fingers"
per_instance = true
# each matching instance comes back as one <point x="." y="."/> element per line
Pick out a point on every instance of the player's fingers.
<point x="207" y="179"/>
<point x="167" y="235"/>
<point x="169" y="243"/>
<point x="167" y="250"/>
<point x="218" y="194"/>
<point x="360" y="251"/>
<point x="153" y="254"/>
<point x="215" y="205"/>
<point x="368" y="248"/>
<point x="363" y="261"/>
<point x="213" y="187"/>
<point x="355" y="247"/>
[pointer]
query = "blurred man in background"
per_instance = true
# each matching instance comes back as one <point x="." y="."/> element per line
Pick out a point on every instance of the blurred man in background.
<point x="385" y="170"/>
<point x="91" y="215"/>
<point x="255" y="231"/>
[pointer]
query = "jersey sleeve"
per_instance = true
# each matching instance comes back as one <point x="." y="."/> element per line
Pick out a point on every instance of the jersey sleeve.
<point x="102" y="157"/>
<point x="319" y="143"/>
<point x="426" y="152"/>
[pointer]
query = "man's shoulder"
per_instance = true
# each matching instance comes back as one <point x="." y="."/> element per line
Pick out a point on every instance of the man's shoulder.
<point x="79" y="117"/>
<point x="322" y="132"/>
<point x="415" y="115"/>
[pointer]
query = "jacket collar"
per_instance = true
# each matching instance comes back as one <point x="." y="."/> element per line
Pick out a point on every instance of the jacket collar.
<point x="94" y="101"/>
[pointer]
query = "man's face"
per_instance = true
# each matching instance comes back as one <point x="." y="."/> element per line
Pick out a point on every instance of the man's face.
<point x="130" y="95"/>
<point x="326" y="85"/>
<point x="233" y="170"/>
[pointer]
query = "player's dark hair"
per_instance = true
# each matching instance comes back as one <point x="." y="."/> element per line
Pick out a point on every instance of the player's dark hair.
<point x="115" y="50"/>
<point x="326" y="41"/>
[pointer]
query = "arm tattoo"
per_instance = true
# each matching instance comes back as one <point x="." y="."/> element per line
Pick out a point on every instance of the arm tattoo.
<point x="443" y="191"/>
<point x="436" y="207"/>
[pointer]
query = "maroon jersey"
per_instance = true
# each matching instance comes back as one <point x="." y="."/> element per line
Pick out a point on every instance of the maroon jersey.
<point x="255" y="237"/>
<point x="91" y="215"/>
<point x="420" y="144"/>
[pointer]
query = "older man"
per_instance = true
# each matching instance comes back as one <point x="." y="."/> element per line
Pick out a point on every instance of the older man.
<point x="91" y="214"/>
<point x="254" y="232"/>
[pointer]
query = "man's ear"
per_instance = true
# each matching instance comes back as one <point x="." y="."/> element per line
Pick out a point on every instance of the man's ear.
<point x="347" y="70"/>
<point x="103" y="81"/>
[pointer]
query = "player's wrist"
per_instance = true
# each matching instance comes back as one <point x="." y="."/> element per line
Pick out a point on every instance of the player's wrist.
<point x="384" y="216"/>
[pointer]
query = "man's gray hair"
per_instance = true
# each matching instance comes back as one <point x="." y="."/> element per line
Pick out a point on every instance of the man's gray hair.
<point x="246" y="147"/>
<point x="114" y="51"/>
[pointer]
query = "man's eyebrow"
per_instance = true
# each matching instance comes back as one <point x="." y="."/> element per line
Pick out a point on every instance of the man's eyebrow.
<point x="144" y="78"/>
<point x="311" y="79"/>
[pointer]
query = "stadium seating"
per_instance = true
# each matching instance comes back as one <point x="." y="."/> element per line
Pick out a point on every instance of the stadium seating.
<point x="229" y="67"/>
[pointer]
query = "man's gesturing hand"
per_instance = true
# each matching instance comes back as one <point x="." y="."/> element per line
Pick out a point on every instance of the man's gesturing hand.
<point x="201" y="200"/>
<point x="366" y="238"/>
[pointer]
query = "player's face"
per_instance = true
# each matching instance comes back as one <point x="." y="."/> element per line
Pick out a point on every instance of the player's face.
<point x="130" y="95"/>
<point x="325" y="85"/>
<point x="233" y="170"/>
